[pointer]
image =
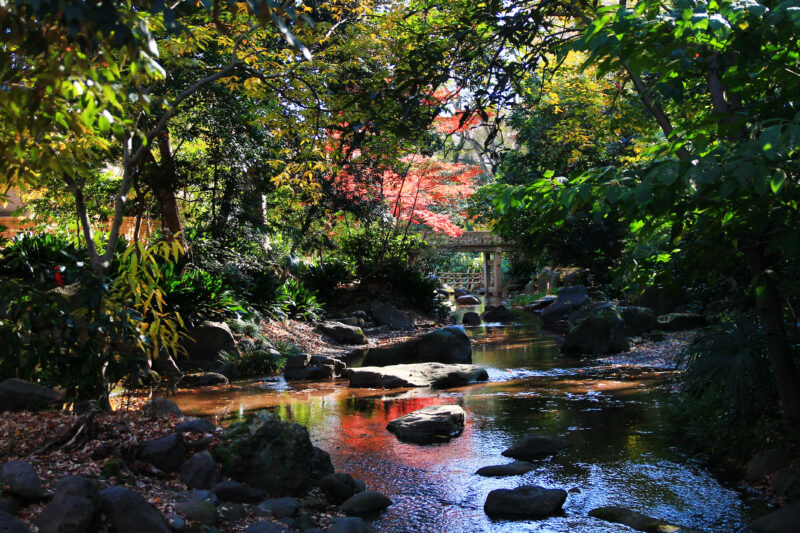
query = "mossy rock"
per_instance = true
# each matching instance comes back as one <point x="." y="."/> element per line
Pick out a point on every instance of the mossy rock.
<point x="602" y="331"/>
<point x="269" y="454"/>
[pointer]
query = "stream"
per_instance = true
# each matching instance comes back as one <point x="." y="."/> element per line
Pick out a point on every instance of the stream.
<point x="622" y="455"/>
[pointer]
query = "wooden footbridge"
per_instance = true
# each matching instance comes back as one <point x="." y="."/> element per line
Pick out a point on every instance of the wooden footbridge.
<point x="485" y="242"/>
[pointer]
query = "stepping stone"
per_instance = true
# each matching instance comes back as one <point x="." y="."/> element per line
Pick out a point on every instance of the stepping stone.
<point x="534" y="447"/>
<point x="524" y="502"/>
<point x="517" y="468"/>
<point x="366" y="502"/>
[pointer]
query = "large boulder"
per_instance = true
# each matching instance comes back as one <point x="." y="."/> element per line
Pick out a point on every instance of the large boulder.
<point x="468" y="299"/>
<point x="205" y="342"/>
<point x="444" y="345"/>
<point x="78" y="486"/>
<point x="200" y="472"/>
<point x="21" y="480"/>
<point x="165" y="453"/>
<point x="496" y="314"/>
<point x="201" y="512"/>
<point x="786" y="520"/>
<point x="366" y="502"/>
<point x="195" y="425"/>
<point x="569" y="299"/>
<point x="638" y="320"/>
<point x="128" y="512"/>
<point x="304" y="367"/>
<point x="386" y="314"/>
<point x="321" y="463"/>
<point x="75" y="504"/>
<point x="342" y="333"/>
<point x="523" y="502"/>
<point x="419" y="375"/>
<point x="536" y="447"/>
<point x="269" y="454"/>
<point x="20" y="395"/>
<point x="348" y="524"/>
<point x="267" y="526"/>
<point x="437" y="423"/>
<point x="633" y="519"/>
<point x="601" y="332"/>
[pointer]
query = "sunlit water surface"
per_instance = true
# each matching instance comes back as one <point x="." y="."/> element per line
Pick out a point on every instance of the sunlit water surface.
<point x="622" y="453"/>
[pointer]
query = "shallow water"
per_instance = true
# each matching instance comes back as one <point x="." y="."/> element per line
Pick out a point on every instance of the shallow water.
<point x="622" y="454"/>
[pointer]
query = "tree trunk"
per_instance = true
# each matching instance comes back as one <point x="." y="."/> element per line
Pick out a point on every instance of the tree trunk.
<point x="165" y="180"/>
<point x="768" y="305"/>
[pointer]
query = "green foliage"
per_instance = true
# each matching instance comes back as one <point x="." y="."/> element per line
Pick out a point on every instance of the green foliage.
<point x="323" y="277"/>
<point x="138" y="287"/>
<point x="727" y="395"/>
<point x="727" y="362"/>
<point x="287" y="349"/>
<point x="197" y="295"/>
<point x="295" y="301"/>
<point x="241" y="265"/>
<point x="36" y="257"/>
<point x="69" y="339"/>
<point x="388" y="262"/>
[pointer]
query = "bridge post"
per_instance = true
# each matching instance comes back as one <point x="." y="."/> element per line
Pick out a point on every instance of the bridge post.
<point x="498" y="272"/>
<point x="486" y="273"/>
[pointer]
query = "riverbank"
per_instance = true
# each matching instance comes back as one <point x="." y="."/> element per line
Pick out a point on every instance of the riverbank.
<point x="114" y="453"/>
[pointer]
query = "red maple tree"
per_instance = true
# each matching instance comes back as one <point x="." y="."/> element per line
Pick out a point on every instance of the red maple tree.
<point x="425" y="191"/>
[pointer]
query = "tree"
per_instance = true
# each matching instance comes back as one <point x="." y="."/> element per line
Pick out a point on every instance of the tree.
<point x="424" y="191"/>
<point x="63" y="120"/>
<point x="719" y="79"/>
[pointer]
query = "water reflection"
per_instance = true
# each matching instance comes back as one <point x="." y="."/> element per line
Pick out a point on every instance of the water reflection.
<point x="621" y="454"/>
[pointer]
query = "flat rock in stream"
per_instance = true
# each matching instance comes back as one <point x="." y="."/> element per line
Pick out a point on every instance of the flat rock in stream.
<point x="535" y="447"/>
<point x="635" y="520"/>
<point x="437" y="375"/>
<point x="524" y="502"/>
<point x="517" y="468"/>
<point x="437" y="423"/>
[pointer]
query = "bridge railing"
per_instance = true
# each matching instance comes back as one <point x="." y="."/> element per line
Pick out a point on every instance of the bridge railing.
<point x="468" y="239"/>
<point x="461" y="280"/>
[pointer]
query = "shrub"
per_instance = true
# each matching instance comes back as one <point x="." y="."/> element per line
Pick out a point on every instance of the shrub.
<point x="197" y="295"/>
<point x="728" y="362"/>
<point x="257" y="359"/>
<point x="37" y="258"/>
<point x="77" y="341"/>
<point x="727" y="399"/>
<point x="296" y="301"/>
<point x="323" y="277"/>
